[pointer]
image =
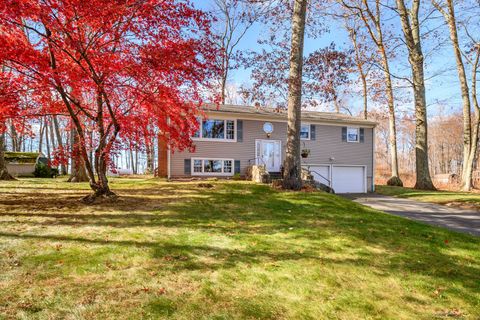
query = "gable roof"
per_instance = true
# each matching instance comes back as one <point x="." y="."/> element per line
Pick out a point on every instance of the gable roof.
<point x="281" y="114"/>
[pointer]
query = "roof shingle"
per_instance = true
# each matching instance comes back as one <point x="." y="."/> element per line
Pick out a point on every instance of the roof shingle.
<point x="282" y="114"/>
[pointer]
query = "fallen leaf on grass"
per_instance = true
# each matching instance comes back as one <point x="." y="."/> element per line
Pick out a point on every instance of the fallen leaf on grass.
<point x="162" y="291"/>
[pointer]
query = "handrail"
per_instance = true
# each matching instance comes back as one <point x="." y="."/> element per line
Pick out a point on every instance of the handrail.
<point x="329" y="182"/>
<point x="260" y="158"/>
<point x="318" y="173"/>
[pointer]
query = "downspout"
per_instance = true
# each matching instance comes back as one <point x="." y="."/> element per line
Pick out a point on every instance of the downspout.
<point x="373" y="159"/>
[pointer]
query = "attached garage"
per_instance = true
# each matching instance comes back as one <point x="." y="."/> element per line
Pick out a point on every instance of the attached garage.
<point x="342" y="178"/>
<point x="349" y="179"/>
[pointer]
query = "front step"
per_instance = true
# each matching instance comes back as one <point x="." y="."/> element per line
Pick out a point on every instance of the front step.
<point x="275" y="176"/>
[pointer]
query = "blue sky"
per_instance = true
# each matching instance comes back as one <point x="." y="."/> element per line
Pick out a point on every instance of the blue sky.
<point x="442" y="89"/>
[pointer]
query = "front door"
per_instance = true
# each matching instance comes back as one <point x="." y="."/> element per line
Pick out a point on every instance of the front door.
<point x="269" y="153"/>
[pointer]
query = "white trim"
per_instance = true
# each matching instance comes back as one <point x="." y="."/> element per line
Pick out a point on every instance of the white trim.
<point x="193" y="173"/>
<point x="269" y="140"/>
<point x="309" y="131"/>
<point x="225" y="130"/>
<point x="358" y="134"/>
<point x="354" y="165"/>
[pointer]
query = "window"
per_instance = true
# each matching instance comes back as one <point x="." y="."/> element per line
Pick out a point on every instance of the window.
<point x="216" y="129"/>
<point x="352" y="135"/>
<point x="213" y="129"/>
<point x="197" y="166"/>
<point x="212" y="166"/>
<point x="230" y="129"/>
<point x="227" y="166"/>
<point x="305" y="132"/>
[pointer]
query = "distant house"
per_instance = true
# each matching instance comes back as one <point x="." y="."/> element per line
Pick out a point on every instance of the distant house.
<point x="22" y="164"/>
<point x="232" y="138"/>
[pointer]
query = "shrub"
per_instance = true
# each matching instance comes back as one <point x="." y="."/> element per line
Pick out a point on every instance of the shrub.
<point x="43" y="170"/>
<point x="237" y="176"/>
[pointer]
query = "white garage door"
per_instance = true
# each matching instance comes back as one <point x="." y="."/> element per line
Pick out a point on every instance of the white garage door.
<point x="348" y="179"/>
<point x="321" y="174"/>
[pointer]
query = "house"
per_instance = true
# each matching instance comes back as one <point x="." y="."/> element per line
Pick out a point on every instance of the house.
<point x="232" y="138"/>
<point x="22" y="164"/>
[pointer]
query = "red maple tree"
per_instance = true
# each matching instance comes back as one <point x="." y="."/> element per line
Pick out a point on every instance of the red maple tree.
<point x="109" y="63"/>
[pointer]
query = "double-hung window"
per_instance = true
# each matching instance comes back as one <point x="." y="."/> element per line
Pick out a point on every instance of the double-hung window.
<point x="305" y="132"/>
<point x="212" y="166"/>
<point x="216" y="129"/>
<point x="353" y="134"/>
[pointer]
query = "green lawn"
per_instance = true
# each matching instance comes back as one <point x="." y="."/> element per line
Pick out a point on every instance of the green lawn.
<point x="441" y="197"/>
<point x="234" y="251"/>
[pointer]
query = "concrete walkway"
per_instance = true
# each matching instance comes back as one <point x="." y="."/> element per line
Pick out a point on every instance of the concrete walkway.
<point x="462" y="220"/>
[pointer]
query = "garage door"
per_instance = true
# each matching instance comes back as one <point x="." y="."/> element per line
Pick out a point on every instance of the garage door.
<point x="321" y="174"/>
<point x="348" y="179"/>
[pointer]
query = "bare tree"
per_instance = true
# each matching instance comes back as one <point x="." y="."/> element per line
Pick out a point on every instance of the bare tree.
<point x="56" y="126"/>
<point x="470" y="137"/>
<point x="360" y="63"/>
<point x="371" y="16"/>
<point x="292" y="171"/>
<point x="235" y="18"/>
<point x="411" y="30"/>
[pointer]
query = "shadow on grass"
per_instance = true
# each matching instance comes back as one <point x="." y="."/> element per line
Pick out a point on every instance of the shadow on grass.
<point x="254" y="213"/>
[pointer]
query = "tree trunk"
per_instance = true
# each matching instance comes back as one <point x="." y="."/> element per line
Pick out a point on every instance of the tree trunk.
<point x="469" y="162"/>
<point x="136" y="160"/>
<point x="224" y="83"/>
<point x="370" y="17"/>
<point x="47" y="141"/>
<point x="4" y="175"/>
<point x="78" y="171"/>
<point x="52" y="136"/>
<point x="14" y="138"/>
<point x="63" y="169"/>
<point x="468" y="137"/>
<point x="292" y="170"/>
<point x="395" y="177"/>
<point x="411" y="31"/>
<point x="359" y="64"/>
<point x="150" y="150"/>
<point x="132" y="162"/>
<point x="40" y="142"/>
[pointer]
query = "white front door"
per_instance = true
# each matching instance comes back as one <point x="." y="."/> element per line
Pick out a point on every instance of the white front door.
<point x="269" y="153"/>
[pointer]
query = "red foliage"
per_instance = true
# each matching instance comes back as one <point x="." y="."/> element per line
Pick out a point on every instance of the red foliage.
<point x="111" y="65"/>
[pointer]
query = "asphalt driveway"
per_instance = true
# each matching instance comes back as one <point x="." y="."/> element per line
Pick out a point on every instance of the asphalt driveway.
<point x="462" y="220"/>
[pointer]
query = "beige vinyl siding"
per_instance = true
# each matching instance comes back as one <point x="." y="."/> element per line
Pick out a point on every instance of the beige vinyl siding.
<point x="242" y="151"/>
<point x="327" y="144"/>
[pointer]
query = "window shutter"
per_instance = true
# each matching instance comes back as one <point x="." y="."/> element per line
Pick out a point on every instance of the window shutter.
<point x="362" y="135"/>
<point x="239" y="130"/>
<point x="344" y="134"/>
<point x="236" y="168"/>
<point x="187" y="166"/>
<point x="312" y="132"/>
